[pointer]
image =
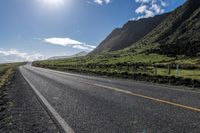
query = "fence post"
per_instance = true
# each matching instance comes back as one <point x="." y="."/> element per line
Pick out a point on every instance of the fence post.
<point x="177" y="70"/>
<point x="169" y="70"/>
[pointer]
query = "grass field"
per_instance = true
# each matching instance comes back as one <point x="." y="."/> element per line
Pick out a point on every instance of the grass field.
<point x="150" y="64"/>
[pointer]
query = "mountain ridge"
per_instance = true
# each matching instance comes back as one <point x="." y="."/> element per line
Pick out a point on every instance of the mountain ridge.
<point x="178" y="34"/>
<point x="130" y="33"/>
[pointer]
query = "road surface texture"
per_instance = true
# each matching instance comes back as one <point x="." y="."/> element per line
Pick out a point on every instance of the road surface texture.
<point x="23" y="112"/>
<point x="90" y="104"/>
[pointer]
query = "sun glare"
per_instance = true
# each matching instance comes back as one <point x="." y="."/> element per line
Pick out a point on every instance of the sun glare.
<point x="53" y="2"/>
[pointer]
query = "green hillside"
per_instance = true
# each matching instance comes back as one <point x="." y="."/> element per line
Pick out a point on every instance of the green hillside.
<point x="178" y="34"/>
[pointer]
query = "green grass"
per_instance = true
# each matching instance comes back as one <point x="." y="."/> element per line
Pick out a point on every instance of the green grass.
<point x="131" y="63"/>
<point x="192" y="74"/>
<point x="142" y="58"/>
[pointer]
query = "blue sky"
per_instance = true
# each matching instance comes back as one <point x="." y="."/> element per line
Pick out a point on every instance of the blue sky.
<point x="35" y="29"/>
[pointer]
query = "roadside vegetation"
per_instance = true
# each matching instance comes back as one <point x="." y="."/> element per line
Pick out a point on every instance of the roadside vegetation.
<point x="7" y="71"/>
<point x="138" y="65"/>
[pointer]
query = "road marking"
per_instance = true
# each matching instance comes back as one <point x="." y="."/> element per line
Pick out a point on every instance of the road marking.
<point x="129" y="92"/>
<point x="173" y="88"/>
<point x="143" y="96"/>
<point x="59" y="120"/>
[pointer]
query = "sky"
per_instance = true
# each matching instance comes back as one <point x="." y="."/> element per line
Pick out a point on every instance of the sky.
<point x="39" y="29"/>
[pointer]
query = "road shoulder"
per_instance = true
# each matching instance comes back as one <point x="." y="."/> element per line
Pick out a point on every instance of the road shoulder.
<point x="24" y="113"/>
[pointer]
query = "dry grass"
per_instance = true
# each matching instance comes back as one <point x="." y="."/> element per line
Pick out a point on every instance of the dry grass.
<point x="7" y="71"/>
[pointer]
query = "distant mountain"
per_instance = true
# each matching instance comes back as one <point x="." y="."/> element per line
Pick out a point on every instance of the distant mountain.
<point x="83" y="53"/>
<point x="130" y="33"/>
<point x="179" y="33"/>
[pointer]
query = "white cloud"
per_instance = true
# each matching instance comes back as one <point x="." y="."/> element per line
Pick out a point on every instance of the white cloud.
<point x="69" y="42"/>
<point x="101" y="2"/>
<point x="157" y="8"/>
<point x="14" y="55"/>
<point x="149" y="8"/>
<point x="163" y="3"/>
<point x="84" y="47"/>
<point x="62" y="41"/>
<point x="142" y="1"/>
<point x="141" y="9"/>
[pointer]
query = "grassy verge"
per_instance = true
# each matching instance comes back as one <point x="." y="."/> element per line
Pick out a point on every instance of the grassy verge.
<point x="7" y="71"/>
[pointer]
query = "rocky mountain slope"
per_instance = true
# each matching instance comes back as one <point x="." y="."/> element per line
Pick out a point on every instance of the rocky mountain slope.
<point x="130" y="33"/>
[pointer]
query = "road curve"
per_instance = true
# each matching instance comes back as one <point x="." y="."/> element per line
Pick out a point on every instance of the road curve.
<point x="90" y="104"/>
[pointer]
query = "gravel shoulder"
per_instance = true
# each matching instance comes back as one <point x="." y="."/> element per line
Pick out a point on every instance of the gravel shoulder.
<point x="20" y="110"/>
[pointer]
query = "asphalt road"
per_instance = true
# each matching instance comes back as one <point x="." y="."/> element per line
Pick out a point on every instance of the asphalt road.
<point x="90" y="104"/>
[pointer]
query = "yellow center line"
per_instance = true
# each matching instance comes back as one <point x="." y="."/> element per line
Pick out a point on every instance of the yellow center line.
<point x="145" y="97"/>
<point x="141" y="96"/>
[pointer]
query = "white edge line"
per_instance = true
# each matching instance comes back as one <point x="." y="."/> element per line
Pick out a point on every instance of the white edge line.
<point x="59" y="120"/>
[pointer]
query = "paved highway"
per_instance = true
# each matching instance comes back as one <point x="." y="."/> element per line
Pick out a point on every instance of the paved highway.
<point x="90" y="104"/>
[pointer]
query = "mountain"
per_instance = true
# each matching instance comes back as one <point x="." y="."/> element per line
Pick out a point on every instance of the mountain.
<point x="83" y="53"/>
<point x="179" y="33"/>
<point x="130" y="33"/>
